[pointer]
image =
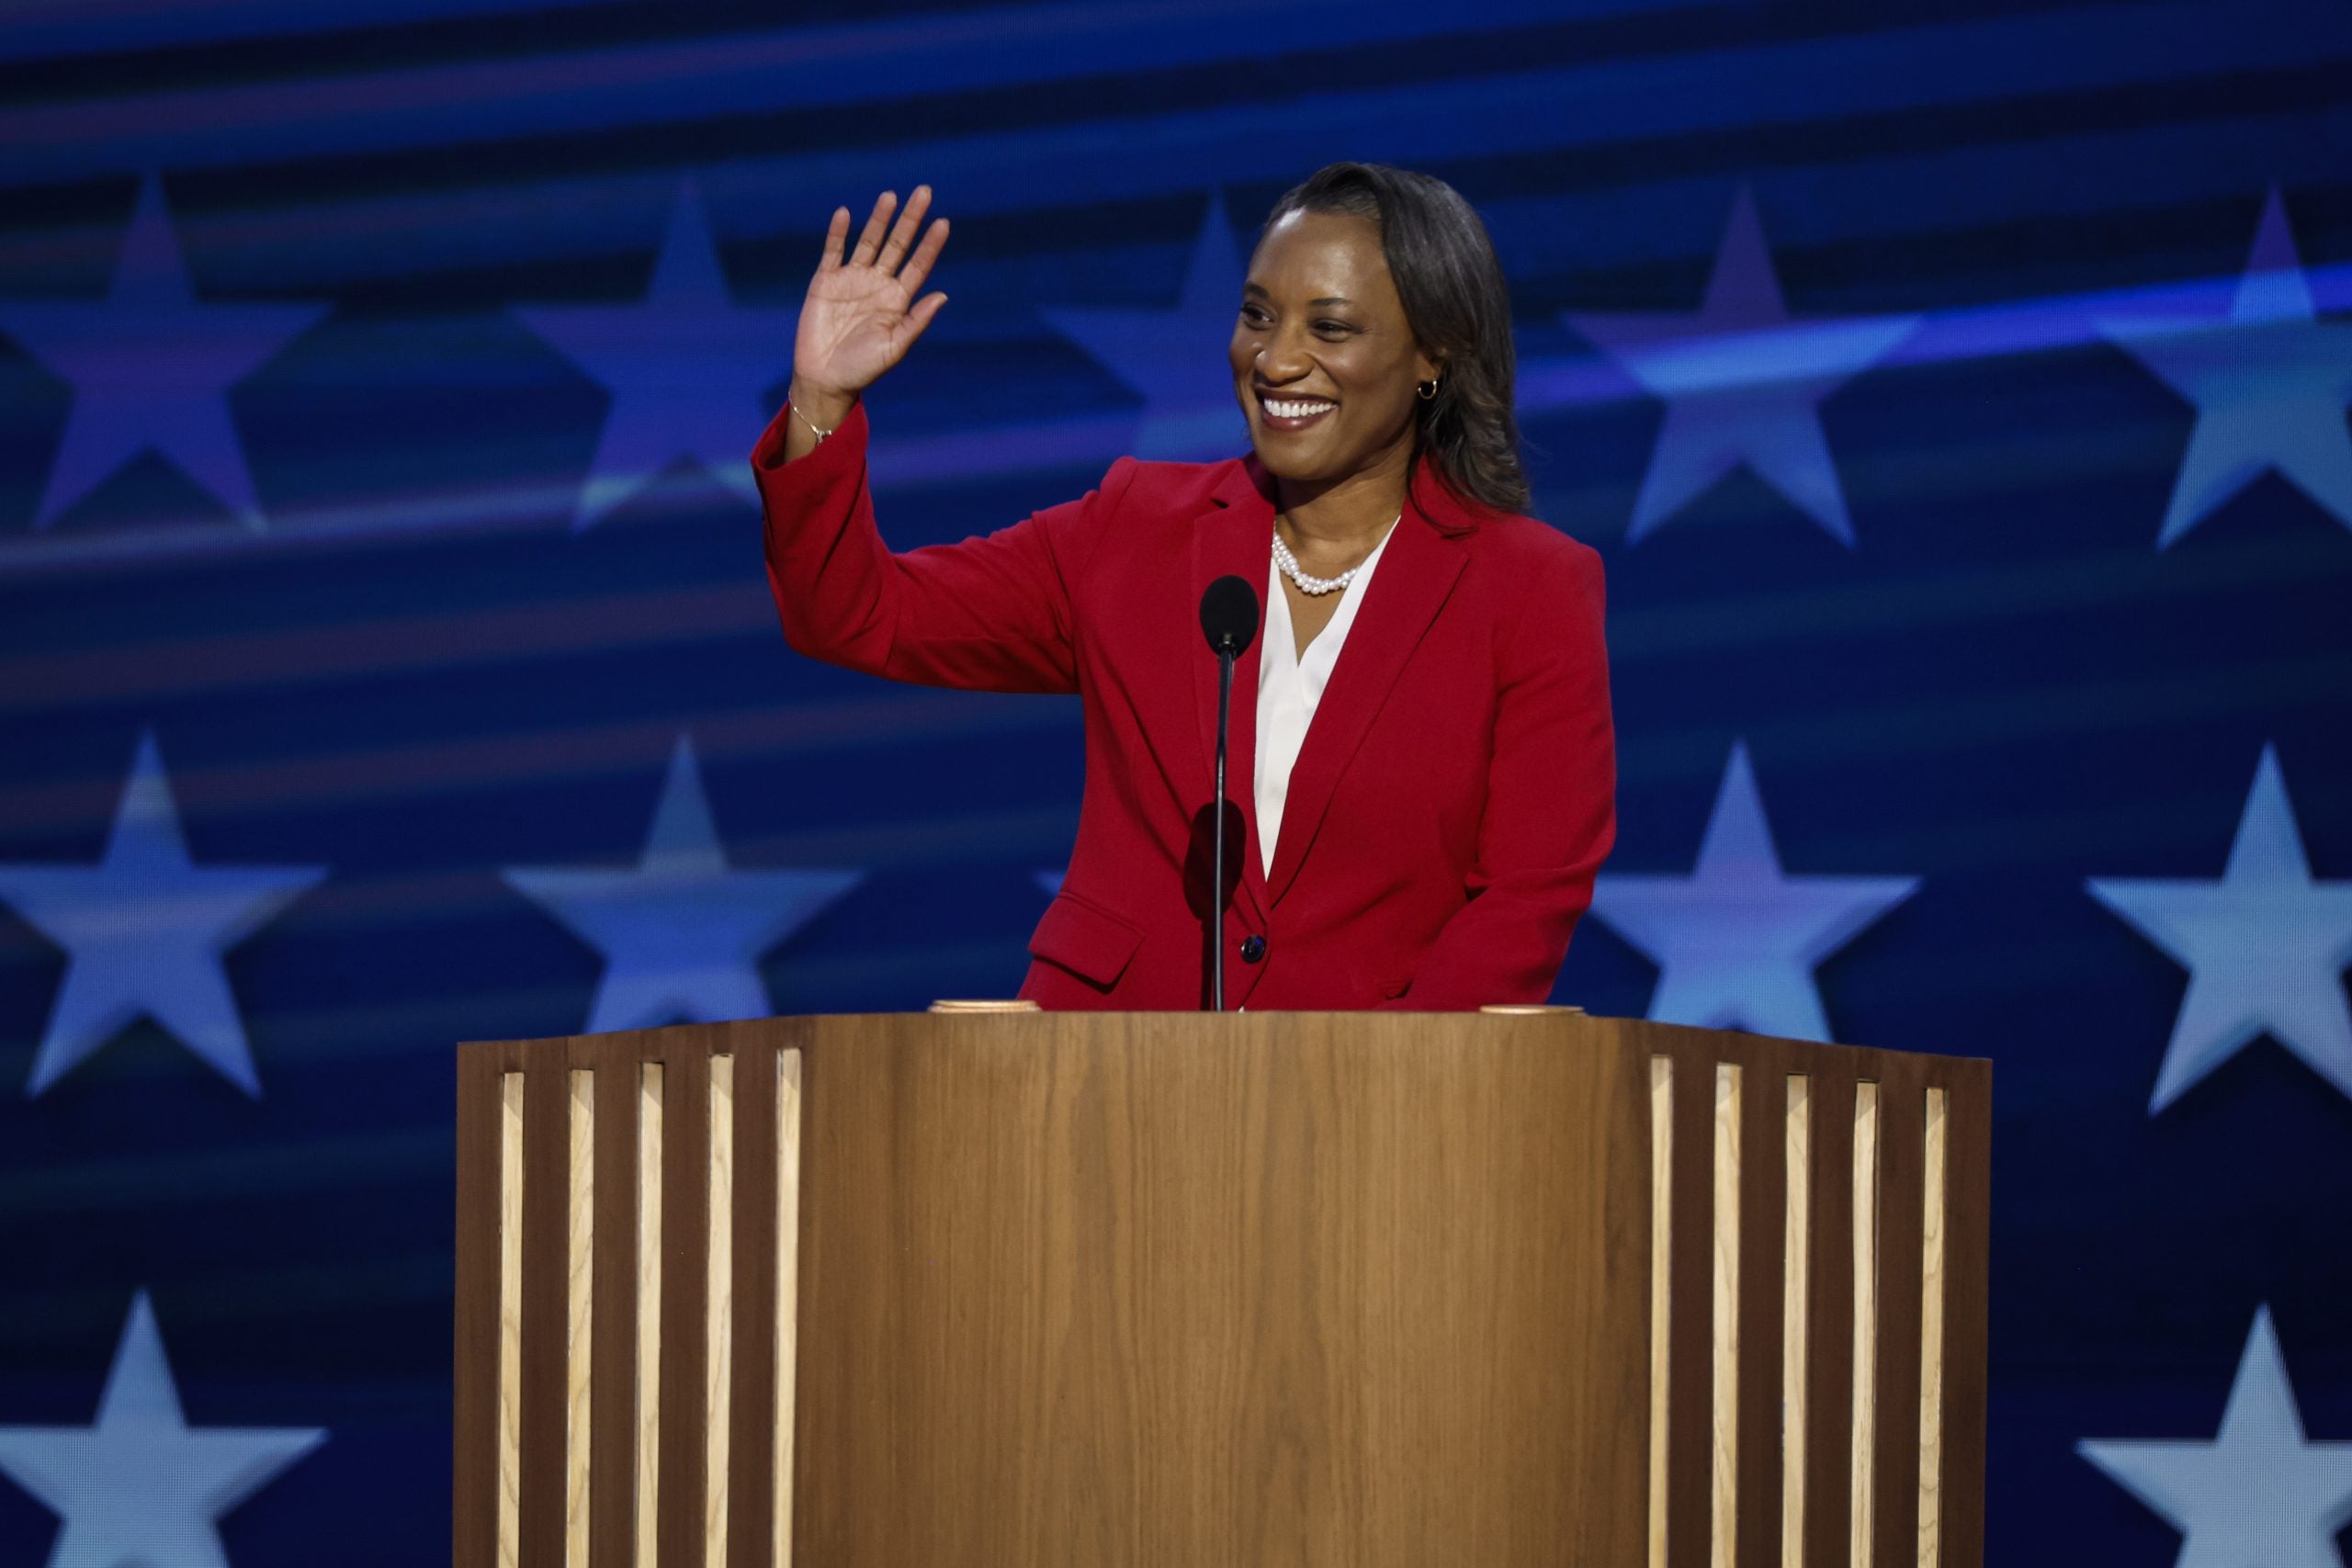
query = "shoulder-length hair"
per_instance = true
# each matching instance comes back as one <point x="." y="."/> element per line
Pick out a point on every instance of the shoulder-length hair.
<point x="1457" y="302"/>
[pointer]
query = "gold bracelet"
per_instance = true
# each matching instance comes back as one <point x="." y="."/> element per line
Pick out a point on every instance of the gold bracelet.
<point x="811" y="423"/>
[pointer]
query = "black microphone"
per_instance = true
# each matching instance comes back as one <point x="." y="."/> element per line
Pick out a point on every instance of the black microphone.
<point x="1229" y="620"/>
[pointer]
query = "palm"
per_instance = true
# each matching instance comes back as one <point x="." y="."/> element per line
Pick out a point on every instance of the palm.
<point x="861" y="314"/>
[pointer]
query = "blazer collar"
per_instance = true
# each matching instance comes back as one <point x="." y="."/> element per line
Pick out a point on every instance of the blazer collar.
<point x="1417" y="574"/>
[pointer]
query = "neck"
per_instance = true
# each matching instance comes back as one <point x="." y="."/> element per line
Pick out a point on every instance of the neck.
<point x="1350" y="513"/>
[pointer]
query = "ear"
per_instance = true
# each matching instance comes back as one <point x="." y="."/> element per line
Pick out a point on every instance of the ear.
<point x="1427" y="367"/>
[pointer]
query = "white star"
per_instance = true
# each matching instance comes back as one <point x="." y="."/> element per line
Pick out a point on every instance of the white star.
<point x="151" y="368"/>
<point x="146" y="929"/>
<point x="682" y="934"/>
<point x="1173" y="356"/>
<point x="139" y="1487"/>
<point x="1735" y="941"/>
<point x="2265" y="947"/>
<point x="2258" y="1495"/>
<point x="1743" y="383"/>
<point x="688" y="370"/>
<point x="2270" y="382"/>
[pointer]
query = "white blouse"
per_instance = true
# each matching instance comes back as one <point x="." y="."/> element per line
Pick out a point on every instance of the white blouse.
<point x="1290" y="685"/>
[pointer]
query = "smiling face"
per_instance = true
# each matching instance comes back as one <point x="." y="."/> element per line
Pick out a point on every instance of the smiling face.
<point x="1324" y="361"/>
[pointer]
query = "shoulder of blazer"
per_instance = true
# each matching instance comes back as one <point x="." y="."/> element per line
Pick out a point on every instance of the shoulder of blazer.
<point x="1185" y="489"/>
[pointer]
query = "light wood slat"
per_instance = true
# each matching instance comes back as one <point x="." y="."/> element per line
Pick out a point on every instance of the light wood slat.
<point x="1931" y="1336"/>
<point x="788" y="1293"/>
<point x="649" y="1311"/>
<point x="1661" y="1279"/>
<point x="1724" y="1473"/>
<point x="1862" y="1520"/>
<point x="510" y="1320"/>
<point x="579" y="1328"/>
<point x="718" y="1310"/>
<point x="1796" y="1282"/>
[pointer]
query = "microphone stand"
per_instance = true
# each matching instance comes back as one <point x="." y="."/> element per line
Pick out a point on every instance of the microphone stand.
<point x="1229" y="620"/>
<point x="1225" y="655"/>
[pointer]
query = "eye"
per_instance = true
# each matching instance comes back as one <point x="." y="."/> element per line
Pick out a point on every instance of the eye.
<point x="1334" y="329"/>
<point x="1254" y="313"/>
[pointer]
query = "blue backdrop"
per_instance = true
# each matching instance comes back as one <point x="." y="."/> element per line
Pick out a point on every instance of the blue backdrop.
<point x="1956" y="393"/>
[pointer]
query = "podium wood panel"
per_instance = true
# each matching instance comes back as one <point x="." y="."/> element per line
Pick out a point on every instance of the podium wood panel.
<point x="1060" y="1290"/>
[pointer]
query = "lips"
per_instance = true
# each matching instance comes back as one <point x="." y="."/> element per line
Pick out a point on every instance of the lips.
<point x="1288" y="413"/>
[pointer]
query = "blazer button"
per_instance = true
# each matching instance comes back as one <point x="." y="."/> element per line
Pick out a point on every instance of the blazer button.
<point x="1253" y="948"/>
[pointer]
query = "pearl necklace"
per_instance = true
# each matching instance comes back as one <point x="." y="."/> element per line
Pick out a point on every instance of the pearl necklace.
<point x="1317" y="586"/>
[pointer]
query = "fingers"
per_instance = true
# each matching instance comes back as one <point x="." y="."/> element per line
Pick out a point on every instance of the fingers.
<point x="869" y="242"/>
<point x="836" y="234"/>
<point x="919" y="265"/>
<point x="902" y="233"/>
<point x="920" y="316"/>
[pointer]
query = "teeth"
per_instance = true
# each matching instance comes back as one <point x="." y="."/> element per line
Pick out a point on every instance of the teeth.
<point x="1289" y="408"/>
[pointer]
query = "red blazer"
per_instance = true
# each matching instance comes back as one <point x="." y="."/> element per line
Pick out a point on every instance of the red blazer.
<point x="1446" y="814"/>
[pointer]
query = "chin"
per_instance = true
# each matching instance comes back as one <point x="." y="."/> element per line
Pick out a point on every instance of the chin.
<point x="1297" y="461"/>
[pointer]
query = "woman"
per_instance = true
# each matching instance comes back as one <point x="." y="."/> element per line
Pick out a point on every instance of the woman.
<point x="1427" y="807"/>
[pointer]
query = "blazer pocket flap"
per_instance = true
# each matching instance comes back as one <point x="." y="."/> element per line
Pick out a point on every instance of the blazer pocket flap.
<point x="1091" y="944"/>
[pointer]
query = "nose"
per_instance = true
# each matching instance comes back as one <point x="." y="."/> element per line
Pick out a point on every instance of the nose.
<point x="1282" y="358"/>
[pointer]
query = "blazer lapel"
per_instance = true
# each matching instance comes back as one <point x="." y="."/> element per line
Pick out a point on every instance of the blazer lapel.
<point x="1417" y="572"/>
<point x="1234" y="537"/>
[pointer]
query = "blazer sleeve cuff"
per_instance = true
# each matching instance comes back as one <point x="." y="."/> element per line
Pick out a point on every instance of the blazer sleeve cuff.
<point x="844" y="449"/>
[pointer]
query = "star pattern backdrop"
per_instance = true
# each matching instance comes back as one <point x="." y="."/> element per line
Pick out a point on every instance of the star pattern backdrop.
<point x="1955" y="392"/>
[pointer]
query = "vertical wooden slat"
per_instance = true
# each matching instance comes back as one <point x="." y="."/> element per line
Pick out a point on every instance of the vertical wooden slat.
<point x="686" y="1281"/>
<point x="718" y="1309"/>
<point x="1796" y="1243"/>
<point x="612" y="1460"/>
<point x="751" y="1445"/>
<point x="547" y="1196"/>
<point x="510" y="1318"/>
<point x="1661" y="1277"/>
<point x="1862" y="1439"/>
<point x="1690" y="1313"/>
<point x="651" y="1122"/>
<point x="1829" y="1376"/>
<point x="1902" y="1146"/>
<point x="1931" y="1334"/>
<point x="787" y="1300"/>
<point x="1723" y="1422"/>
<point x="580" y="1255"/>
<point x="1968" y="1220"/>
<point x="474" y="1411"/>
<point x="1763" y="1182"/>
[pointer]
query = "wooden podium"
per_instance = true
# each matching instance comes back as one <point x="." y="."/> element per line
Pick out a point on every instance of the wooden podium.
<point x="1110" y="1291"/>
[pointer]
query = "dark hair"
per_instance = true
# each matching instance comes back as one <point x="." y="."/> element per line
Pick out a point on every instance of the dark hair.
<point x="1452" y="285"/>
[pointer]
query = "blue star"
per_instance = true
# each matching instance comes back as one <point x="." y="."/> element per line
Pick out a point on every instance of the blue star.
<point x="139" y="1486"/>
<point x="2270" y="382"/>
<point x="1735" y="941"/>
<point x="1175" y="358"/>
<point x="146" y="928"/>
<point x="151" y="368"/>
<point x="1743" y="383"/>
<point x="2265" y="948"/>
<point x="2257" y="1492"/>
<point x="682" y="934"/>
<point x="688" y="370"/>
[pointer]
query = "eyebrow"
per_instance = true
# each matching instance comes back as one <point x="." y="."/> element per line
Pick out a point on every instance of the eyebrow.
<point x="1259" y="289"/>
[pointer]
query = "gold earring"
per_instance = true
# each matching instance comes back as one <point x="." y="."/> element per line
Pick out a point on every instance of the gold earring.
<point x="1426" y="389"/>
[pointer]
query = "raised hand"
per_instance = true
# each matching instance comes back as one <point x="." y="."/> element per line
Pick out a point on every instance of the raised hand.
<point x="861" y="314"/>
